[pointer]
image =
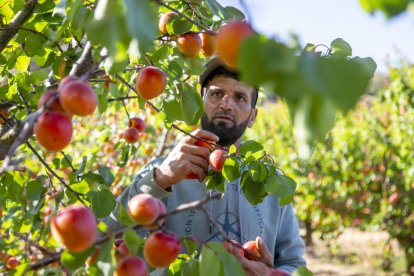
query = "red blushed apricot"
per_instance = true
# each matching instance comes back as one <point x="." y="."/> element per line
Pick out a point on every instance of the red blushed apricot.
<point x="189" y="44"/>
<point x="251" y="250"/>
<point x="131" y="266"/>
<point x="161" y="249"/>
<point x="137" y="123"/>
<point x="12" y="262"/>
<point x="56" y="106"/>
<point x="53" y="130"/>
<point x="131" y="135"/>
<point x="75" y="228"/>
<point x="199" y="143"/>
<point x="217" y="159"/>
<point x="162" y="210"/>
<point x="151" y="82"/>
<point x="67" y="80"/>
<point x="121" y="251"/>
<point x="229" y="39"/>
<point x="143" y="209"/>
<point x="162" y="24"/>
<point x="208" y="44"/>
<point x="78" y="98"/>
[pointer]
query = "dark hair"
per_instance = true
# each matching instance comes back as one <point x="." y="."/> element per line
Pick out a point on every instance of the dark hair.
<point x="220" y="70"/>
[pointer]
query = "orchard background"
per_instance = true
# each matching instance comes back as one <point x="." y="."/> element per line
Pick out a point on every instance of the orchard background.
<point x="349" y="152"/>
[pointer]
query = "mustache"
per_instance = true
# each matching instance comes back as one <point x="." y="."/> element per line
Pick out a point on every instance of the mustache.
<point x="224" y="113"/>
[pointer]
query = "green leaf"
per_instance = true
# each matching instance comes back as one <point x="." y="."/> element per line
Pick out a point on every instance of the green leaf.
<point x="123" y="216"/>
<point x="302" y="271"/>
<point x="81" y="187"/>
<point x="230" y="264"/>
<point x="216" y="8"/>
<point x="251" y="146"/>
<point x="280" y="185"/>
<point x="216" y="181"/>
<point x="178" y="25"/>
<point x="262" y="58"/>
<point x="132" y="241"/>
<point x="81" y="168"/>
<point x="234" y="14"/>
<point x="341" y="48"/>
<point x="253" y="191"/>
<point x="73" y="261"/>
<point x="231" y="169"/>
<point x="142" y="22"/>
<point x="103" y="203"/>
<point x="191" y="245"/>
<point x="210" y="264"/>
<point x="232" y="149"/>
<point x="258" y="172"/>
<point x="34" y="190"/>
<point x="34" y="43"/>
<point x="190" y="268"/>
<point x="104" y="260"/>
<point x="106" y="174"/>
<point x="187" y="107"/>
<point x="102" y="103"/>
<point x="286" y="200"/>
<point x="22" y="63"/>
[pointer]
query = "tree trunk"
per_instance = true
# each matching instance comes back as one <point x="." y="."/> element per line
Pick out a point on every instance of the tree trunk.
<point x="308" y="234"/>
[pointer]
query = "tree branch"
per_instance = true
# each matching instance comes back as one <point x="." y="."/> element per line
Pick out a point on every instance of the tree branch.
<point x="18" y="20"/>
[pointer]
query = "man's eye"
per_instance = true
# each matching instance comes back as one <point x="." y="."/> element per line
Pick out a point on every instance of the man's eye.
<point x="240" y="98"/>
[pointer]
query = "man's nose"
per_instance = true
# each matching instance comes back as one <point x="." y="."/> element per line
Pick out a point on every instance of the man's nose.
<point x="226" y="103"/>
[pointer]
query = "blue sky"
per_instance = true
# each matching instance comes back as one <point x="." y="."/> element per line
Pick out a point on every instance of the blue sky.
<point x="321" y="21"/>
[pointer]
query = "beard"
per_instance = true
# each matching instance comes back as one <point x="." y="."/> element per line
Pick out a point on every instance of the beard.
<point x="227" y="135"/>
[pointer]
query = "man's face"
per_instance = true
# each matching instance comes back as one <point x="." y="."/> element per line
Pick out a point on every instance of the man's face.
<point x="227" y="109"/>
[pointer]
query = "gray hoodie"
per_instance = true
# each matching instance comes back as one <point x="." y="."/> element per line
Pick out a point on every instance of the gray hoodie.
<point x="240" y="220"/>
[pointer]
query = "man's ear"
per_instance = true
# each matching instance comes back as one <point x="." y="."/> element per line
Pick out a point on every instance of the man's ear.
<point x="252" y="117"/>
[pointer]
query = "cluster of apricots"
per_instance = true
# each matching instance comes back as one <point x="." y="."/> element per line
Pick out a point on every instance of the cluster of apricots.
<point x="136" y="126"/>
<point x="53" y="128"/>
<point x="226" y="43"/>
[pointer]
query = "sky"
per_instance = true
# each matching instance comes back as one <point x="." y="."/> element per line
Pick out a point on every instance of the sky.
<point x="321" y="21"/>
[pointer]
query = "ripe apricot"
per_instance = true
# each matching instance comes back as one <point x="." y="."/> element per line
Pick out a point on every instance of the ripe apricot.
<point x="131" y="135"/>
<point x="208" y="44"/>
<point x="121" y="251"/>
<point x="216" y="160"/>
<point x="229" y="39"/>
<point x="199" y="143"/>
<point x="161" y="249"/>
<point x="143" y="209"/>
<point x="44" y="99"/>
<point x="251" y="250"/>
<point x="75" y="228"/>
<point x="161" y="211"/>
<point x="189" y="44"/>
<point x="67" y="80"/>
<point x="53" y="130"/>
<point x="78" y="98"/>
<point x="4" y="114"/>
<point x="151" y="82"/>
<point x="162" y="23"/>
<point x="12" y="262"/>
<point x="131" y="266"/>
<point x="137" y="123"/>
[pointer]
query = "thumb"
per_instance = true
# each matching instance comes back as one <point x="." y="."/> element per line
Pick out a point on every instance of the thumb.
<point x="264" y="251"/>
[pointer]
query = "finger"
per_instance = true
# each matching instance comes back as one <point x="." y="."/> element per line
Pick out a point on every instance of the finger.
<point x="196" y="150"/>
<point x="264" y="251"/>
<point x="198" y="161"/>
<point x="204" y="134"/>
<point x="200" y="172"/>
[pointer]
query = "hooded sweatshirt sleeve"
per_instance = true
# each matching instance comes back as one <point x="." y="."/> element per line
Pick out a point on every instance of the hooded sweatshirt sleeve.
<point x="143" y="182"/>
<point x="289" y="248"/>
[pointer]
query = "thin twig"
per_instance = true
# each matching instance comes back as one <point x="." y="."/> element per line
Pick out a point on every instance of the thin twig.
<point x="196" y="14"/>
<point x="123" y="98"/>
<point x="28" y="108"/>
<point x="25" y="29"/>
<point x="32" y="243"/>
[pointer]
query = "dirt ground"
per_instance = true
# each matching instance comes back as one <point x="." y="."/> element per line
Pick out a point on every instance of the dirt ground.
<point x="357" y="253"/>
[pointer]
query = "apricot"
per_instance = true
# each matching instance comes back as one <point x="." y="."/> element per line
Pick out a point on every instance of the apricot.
<point x="161" y="211"/>
<point x="44" y="99"/>
<point x="131" y="266"/>
<point x="251" y="250"/>
<point x="229" y="39"/>
<point x="208" y="44"/>
<point x="121" y="251"/>
<point x="53" y="130"/>
<point x="189" y="44"/>
<point x="75" y="228"/>
<point x="143" y="209"/>
<point x="78" y="98"/>
<point x="151" y="82"/>
<point x="162" y="23"/>
<point x="131" y="135"/>
<point x="229" y="245"/>
<point x="216" y="160"/>
<point x="4" y="114"/>
<point x="12" y="262"/>
<point x="161" y="249"/>
<point x="67" y="80"/>
<point x="137" y="123"/>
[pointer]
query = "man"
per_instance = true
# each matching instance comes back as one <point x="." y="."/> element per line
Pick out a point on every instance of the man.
<point x="229" y="108"/>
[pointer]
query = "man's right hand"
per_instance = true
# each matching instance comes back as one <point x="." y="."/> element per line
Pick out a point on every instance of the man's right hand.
<point x="185" y="158"/>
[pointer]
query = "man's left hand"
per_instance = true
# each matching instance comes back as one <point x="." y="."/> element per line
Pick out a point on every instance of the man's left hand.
<point x="256" y="268"/>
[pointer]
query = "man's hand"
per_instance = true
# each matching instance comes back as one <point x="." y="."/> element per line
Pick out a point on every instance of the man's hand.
<point x="256" y="268"/>
<point x="184" y="159"/>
